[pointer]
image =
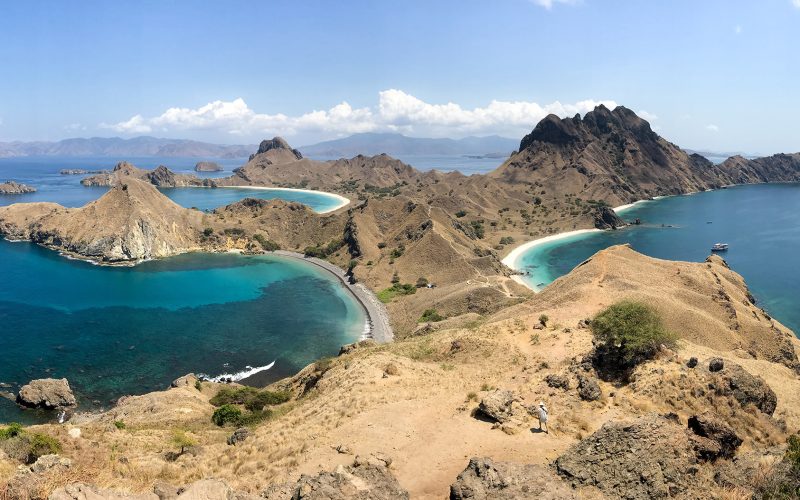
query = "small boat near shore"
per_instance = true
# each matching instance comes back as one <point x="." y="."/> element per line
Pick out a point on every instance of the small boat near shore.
<point x="719" y="247"/>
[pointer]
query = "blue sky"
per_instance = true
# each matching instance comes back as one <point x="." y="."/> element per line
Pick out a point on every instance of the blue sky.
<point x="720" y="75"/>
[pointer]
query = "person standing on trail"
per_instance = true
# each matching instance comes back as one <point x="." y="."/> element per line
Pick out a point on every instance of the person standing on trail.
<point x="542" y="410"/>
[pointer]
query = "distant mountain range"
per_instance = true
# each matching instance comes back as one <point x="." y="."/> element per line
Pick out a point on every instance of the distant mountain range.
<point x="117" y="147"/>
<point x="397" y="144"/>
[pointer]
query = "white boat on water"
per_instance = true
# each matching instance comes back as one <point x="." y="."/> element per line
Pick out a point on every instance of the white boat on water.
<point x="719" y="247"/>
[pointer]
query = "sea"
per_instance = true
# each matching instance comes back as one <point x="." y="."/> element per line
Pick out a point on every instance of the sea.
<point x="115" y="331"/>
<point x="759" y="222"/>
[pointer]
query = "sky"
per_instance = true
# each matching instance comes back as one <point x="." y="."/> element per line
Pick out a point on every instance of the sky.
<point x="718" y="75"/>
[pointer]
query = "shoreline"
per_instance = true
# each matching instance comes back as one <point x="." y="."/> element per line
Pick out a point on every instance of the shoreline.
<point x="343" y="201"/>
<point x="510" y="260"/>
<point x="380" y="329"/>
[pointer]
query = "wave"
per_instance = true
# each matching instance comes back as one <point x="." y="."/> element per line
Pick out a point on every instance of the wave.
<point x="248" y="371"/>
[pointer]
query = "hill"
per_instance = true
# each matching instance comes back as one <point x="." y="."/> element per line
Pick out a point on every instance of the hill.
<point x="370" y="144"/>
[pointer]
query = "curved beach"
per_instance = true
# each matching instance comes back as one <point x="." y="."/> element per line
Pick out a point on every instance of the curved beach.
<point x="511" y="259"/>
<point x="343" y="201"/>
<point x="377" y="317"/>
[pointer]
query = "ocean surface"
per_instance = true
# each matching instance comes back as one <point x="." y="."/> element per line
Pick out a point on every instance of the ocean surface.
<point x="114" y="331"/>
<point x="760" y="222"/>
<point x="43" y="174"/>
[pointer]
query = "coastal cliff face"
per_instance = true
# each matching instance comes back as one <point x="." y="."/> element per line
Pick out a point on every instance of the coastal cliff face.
<point x="407" y="416"/>
<point x="160" y="176"/>
<point x="133" y="221"/>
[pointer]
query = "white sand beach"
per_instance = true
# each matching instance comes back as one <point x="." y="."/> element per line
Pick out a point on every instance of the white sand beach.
<point x="343" y="202"/>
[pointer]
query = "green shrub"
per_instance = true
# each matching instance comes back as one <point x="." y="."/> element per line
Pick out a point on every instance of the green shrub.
<point x="233" y="232"/>
<point x="40" y="445"/>
<point x="267" y="398"/>
<point x="629" y="333"/>
<point x="543" y="319"/>
<point x="395" y="290"/>
<point x="506" y="240"/>
<point x="208" y="232"/>
<point x="12" y="430"/>
<point x="793" y="451"/>
<point x="119" y="424"/>
<point x="267" y="245"/>
<point x="255" y="417"/>
<point x="181" y="440"/>
<point x="422" y="282"/>
<point x="461" y="213"/>
<point x="477" y="227"/>
<point x="430" y="315"/>
<point x="226" y="414"/>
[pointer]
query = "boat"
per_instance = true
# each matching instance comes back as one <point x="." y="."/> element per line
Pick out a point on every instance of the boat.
<point x="719" y="247"/>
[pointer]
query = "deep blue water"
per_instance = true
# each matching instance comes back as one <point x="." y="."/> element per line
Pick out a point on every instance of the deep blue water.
<point x="43" y="174"/>
<point x="130" y="330"/>
<point x="760" y="223"/>
<point x="114" y="331"/>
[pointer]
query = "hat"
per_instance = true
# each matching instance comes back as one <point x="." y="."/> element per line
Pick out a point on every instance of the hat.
<point x="541" y="403"/>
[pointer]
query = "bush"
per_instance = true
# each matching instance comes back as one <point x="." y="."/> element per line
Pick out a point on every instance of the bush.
<point x="266" y="398"/>
<point x="430" y="315"/>
<point x="250" y="397"/>
<point x="543" y="319"/>
<point x="226" y="414"/>
<point x="208" y="232"/>
<point x="181" y="440"/>
<point x="629" y="333"/>
<point x="477" y="227"/>
<point x="395" y="290"/>
<point x="119" y="424"/>
<point x="267" y="245"/>
<point x="233" y="232"/>
<point x="506" y="240"/>
<point x="422" y="282"/>
<point x="461" y="213"/>
<point x="13" y="430"/>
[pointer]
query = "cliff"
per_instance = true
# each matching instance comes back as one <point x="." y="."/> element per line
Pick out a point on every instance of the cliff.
<point x="160" y="176"/>
<point x="11" y="187"/>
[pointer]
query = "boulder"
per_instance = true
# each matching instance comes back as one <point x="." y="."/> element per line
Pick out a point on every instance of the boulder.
<point x="48" y="393"/>
<point x="692" y="362"/>
<point x="649" y="457"/>
<point x="47" y="462"/>
<point x="497" y="405"/>
<point x="484" y="479"/>
<point x="557" y="381"/>
<point x="204" y="489"/>
<point x="588" y="388"/>
<point x="360" y="481"/>
<point x="716" y="430"/>
<point x="746" y="388"/>
<point x="715" y="365"/>
<point x="238" y="436"/>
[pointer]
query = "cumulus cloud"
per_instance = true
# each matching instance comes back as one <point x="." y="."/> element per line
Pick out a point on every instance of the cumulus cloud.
<point x="796" y="3"/>
<point x="396" y="111"/>
<point x="712" y="128"/>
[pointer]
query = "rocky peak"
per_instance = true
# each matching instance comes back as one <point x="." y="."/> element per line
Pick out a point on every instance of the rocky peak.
<point x="277" y="143"/>
<point x="554" y="130"/>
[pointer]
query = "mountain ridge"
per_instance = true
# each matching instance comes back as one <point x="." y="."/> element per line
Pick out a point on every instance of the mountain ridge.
<point x="117" y="146"/>
<point x="374" y="143"/>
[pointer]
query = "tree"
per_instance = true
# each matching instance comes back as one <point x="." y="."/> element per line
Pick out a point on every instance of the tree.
<point x="181" y="440"/>
<point x="543" y="319"/>
<point x="628" y="333"/>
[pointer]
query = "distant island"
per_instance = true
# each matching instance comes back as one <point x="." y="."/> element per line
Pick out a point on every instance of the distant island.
<point x="118" y="147"/>
<point x="79" y="171"/>
<point x="397" y="144"/>
<point x="11" y="187"/>
<point x="207" y="166"/>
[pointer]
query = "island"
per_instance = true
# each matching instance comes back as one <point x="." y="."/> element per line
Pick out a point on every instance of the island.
<point x="12" y="187"/>
<point x="207" y="166"/>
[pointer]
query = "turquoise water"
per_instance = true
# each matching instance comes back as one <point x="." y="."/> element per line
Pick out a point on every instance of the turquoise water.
<point x="760" y="223"/>
<point x="117" y="331"/>
<point x="43" y="174"/>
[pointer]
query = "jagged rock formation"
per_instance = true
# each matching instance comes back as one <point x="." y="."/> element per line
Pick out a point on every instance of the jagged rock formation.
<point x="277" y="150"/>
<point x="607" y="218"/>
<point x="133" y="221"/>
<point x="744" y="387"/>
<point x="207" y="166"/>
<point x="48" y="393"/>
<point x="12" y="187"/>
<point x="484" y="479"/>
<point x="160" y="176"/>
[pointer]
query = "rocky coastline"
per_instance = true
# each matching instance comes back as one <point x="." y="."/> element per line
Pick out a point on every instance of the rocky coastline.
<point x="12" y="187"/>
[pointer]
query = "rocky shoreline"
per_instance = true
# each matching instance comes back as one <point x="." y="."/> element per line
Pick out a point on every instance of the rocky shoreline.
<point x="13" y="187"/>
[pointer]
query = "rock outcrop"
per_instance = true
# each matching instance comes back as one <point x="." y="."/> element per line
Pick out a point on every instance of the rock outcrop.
<point x="12" y="187"/>
<point x="205" y="489"/>
<point x="607" y="218"/>
<point x="48" y="393"/>
<point x="161" y="176"/>
<point x="650" y="457"/>
<point x="708" y="426"/>
<point x="281" y="150"/>
<point x="484" y="479"/>
<point x="746" y="388"/>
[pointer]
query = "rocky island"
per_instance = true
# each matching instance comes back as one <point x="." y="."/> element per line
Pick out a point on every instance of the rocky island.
<point x="207" y="166"/>
<point x="700" y="401"/>
<point x="12" y="187"/>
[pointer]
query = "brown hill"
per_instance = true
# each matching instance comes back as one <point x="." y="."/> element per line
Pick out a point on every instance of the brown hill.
<point x="133" y="221"/>
<point x="160" y="176"/>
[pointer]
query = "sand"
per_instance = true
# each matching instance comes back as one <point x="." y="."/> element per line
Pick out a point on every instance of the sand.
<point x="343" y="202"/>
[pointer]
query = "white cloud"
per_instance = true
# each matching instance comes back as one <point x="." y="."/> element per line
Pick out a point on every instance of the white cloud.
<point x="548" y="4"/>
<point x="712" y="128"/>
<point x="647" y="116"/>
<point x="796" y="3"/>
<point x="395" y="111"/>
